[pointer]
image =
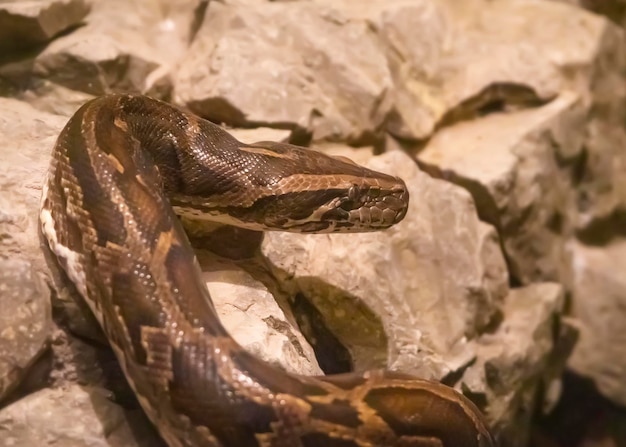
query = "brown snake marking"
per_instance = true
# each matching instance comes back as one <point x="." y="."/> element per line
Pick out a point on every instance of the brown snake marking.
<point x="116" y="167"/>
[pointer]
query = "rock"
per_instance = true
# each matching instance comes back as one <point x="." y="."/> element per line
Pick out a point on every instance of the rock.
<point x="24" y="25"/>
<point x="124" y="46"/>
<point x="510" y="164"/>
<point x="599" y="301"/>
<point x="25" y="321"/>
<point x="74" y="416"/>
<point x="257" y="134"/>
<point x="447" y="59"/>
<point x="312" y="69"/>
<point x="519" y="357"/>
<point x="250" y="314"/>
<point x="29" y="136"/>
<point x="430" y="316"/>
<point x="551" y="177"/>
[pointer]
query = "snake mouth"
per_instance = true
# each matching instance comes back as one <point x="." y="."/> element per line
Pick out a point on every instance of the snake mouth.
<point x="378" y="209"/>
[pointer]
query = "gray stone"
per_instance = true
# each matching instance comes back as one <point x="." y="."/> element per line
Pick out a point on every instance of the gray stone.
<point x="599" y="302"/>
<point x="25" y="321"/>
<point x="288" y="64"/>
<point x="456" y="279"/>
<point x="73" y="416"/>
<point x="519" y="357"/>
<point x="251" y="315"/>
<point x="509" y="162"/>
<point x="25" y="24"/>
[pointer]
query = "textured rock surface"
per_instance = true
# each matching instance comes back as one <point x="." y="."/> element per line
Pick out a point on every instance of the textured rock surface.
<point x="313" y="69"/>
<point x="510" y="164"/>
<point x="251" y="315"/>
<point x="600" y="284"/>
<point x="27" y="136"/>
<point x="519" y="355"/>
<point x="457" y="279"/>
<point x="25" y="321"/>
<point x="28" y="23"/>
<point x="553" y="175"/>
<point x="73" y="417"/>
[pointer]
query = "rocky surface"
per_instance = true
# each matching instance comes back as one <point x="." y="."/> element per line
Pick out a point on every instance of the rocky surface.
<point x="513" y="110"/>
<point x="25" y="321"/>
<point x="24" y="25"/>
<point x="423" y="322"/>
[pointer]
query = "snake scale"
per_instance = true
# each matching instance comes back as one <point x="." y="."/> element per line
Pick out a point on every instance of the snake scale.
<point x="122" y="169"/>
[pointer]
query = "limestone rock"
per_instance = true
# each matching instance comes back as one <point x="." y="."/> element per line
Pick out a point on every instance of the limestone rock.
<point x="28" y="136"/>
<point x="122" y="47"/>
<point x="251" y="315"/>
<point x="74" y="417"/>
<point x="510" y="164"/>
<point x="515" y="360"/>
<point x="25" y="321"/>
<point x="599" y="302"/>
<point x="26" y="24"/>
<point x="288" y="64"/>
<point x="430" y="284"/>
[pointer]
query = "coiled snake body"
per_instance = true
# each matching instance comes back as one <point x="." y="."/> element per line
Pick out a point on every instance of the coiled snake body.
<point x="120" y="168"/>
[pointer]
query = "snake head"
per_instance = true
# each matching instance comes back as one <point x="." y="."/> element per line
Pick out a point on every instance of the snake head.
<point x="319" y="193"/>
<point x="278" y="186"/>
<point x="362" y="206"/>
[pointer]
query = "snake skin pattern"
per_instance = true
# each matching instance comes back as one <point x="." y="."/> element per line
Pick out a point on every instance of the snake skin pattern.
<point x="121" y="169"/>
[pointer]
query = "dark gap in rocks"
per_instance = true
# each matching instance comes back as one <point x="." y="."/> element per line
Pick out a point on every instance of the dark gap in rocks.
<point x="35" y="377"/>
<point x="494" y="98"/>
<point x="227" y="241"/>
<point x="601" y="231"/>
<point x="582" y="418"/>
<point x="199" y="15"/>
<point x="579" y="168"/>
<point x="612" y="10"/>
<point x="453" y="377"/>
<point x="218" y="110"/>
<point x="555" y="223"/>
<point x="331" y="355"/>
<point x="300" y="137"/>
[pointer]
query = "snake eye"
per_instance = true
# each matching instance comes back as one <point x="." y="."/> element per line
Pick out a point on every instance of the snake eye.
<point x="353" y="193"/>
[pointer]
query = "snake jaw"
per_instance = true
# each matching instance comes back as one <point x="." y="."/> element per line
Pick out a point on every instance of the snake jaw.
<point x="371" y="208"/>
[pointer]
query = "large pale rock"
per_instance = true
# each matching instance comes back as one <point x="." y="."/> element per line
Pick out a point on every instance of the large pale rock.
<point x="28" y="136"/>
<point x="429" y="284"/>
<point x="525" y="352"/>
<point x="25" y="321"/>
<point x="289" y="64"/>
<point x="24" y="24"/>
<point x="252" y="316"/>
<point x="124" y="46"/>
<point x="548" y="177"/>
<point x="599" y="302"/>
<point x="74" y="416"/>
<point x="446" y="57"/>
<point x="511" y="163"/>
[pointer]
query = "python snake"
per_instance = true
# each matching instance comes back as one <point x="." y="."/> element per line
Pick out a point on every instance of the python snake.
<point x="121" y="169"/>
